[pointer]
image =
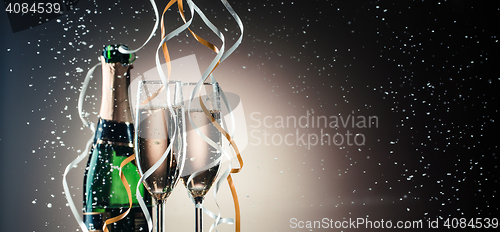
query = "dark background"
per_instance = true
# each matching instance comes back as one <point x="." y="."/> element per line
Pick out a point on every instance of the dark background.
<point x="427" y="69"/>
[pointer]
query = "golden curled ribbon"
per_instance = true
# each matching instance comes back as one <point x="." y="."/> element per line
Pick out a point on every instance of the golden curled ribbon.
<point x="129" y="193"/>
<point x="205" y="110"/>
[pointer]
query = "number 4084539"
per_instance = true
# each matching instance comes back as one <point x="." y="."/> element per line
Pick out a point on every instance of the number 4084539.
<point x="471" y="223"/>
<point x="35" y="8"/>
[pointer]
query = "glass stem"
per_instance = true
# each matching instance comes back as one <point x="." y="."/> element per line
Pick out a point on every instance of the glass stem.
<point x="159" y="216"/>
<point x="199" y="215"/>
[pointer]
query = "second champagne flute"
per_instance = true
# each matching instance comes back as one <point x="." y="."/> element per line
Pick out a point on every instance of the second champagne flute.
<point x="202" y="161"/>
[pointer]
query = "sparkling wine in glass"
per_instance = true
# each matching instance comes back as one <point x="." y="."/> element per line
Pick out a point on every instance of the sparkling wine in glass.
<point x="155" y="130"/>
<point x="202" y="162"/>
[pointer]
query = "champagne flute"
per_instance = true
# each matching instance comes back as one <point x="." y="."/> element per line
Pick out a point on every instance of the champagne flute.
<point x="154" y="134"/>
<point x="202" y="161"/>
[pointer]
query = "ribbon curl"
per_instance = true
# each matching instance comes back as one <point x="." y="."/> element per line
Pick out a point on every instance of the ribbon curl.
<point x="165" y="82"/>
<point x="217" y="60"/>
<point x="86" y="123"/>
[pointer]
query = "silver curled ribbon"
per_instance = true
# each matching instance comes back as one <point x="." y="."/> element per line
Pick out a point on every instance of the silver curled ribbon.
<point x="226" y="175"/>
<point x="84" y="154"/>
<point x="86" y="123"/>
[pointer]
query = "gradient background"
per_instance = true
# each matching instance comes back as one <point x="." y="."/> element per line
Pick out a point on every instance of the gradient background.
<point x="427" y="69"/>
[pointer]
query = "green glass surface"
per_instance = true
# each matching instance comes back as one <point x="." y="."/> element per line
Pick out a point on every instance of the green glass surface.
<point x="104" y="194"/>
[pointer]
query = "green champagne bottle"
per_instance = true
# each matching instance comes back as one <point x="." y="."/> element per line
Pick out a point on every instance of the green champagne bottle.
<point x="105" y="196"/>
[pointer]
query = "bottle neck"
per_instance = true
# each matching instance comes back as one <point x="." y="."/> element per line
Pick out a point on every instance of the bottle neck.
<point x="115" y="133"/>
<point x="115" y="103"/>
